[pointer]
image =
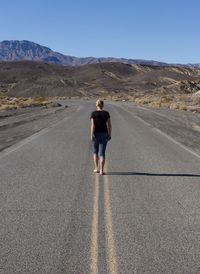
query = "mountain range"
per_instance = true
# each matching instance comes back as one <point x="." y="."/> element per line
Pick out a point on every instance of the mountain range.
<point x="15" y="50"/>
<point x="41" y="72"/>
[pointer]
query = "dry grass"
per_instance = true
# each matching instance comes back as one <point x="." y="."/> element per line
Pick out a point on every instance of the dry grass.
<point x="181" y="102"/>
<point x="184" y="102"/>
<point x="7" y="103"/>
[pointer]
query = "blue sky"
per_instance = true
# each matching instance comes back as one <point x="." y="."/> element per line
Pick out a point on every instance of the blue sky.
<point x="162" y="30"/>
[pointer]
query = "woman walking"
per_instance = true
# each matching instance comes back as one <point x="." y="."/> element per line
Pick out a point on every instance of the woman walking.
<point x="100" y="135"/>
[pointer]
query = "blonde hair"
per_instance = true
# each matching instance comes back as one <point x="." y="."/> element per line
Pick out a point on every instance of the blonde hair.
<point x="100" y="103"/>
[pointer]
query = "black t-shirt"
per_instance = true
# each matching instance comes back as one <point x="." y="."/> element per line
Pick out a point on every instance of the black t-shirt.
<point x="100" y="120"/>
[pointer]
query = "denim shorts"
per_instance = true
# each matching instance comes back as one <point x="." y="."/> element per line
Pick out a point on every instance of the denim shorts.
<point x="99" y="143"/>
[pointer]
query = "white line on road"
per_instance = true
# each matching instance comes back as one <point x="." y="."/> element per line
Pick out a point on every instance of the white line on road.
<point x="165" y="135"/>
<point x="29" y="139"/>
<point x="176" y="142"/>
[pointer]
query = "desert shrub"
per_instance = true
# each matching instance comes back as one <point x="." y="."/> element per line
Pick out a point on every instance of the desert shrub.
<point x="143" y="100"/>
<point x="183" y="107"/>
<point x="40" y="99"/>
<point x="183" y="97"/>
<point x="7" y="107"/>
<point x="196" y="100"/>
<point x="25" y="99"/>
<point x="174" y="106"/>
<point x="165" y="105"/>
<point x="194" y="109"/>
<point x="166" y="99"/>
<point x="155" y="104"/>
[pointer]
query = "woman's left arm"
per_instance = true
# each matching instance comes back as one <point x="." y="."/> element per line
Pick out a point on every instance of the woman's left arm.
<point x="92" y="129"/>
<point x="109" y="126"/>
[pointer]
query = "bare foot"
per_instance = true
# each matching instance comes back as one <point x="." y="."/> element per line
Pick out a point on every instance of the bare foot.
<point x="96" y="170"/>
<point x="102" y="173"/>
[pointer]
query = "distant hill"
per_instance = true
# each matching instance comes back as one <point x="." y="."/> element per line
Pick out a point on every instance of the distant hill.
<point x="29" y="79"/>
<point x="15" y="50"/>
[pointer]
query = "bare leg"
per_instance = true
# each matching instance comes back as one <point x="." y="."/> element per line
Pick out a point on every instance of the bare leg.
<point x="102" y="163"/>
<point x="96" y="163"/>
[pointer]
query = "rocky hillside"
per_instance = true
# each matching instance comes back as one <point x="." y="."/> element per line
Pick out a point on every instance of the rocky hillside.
<point x="25" y="50"/>
<point x="29" y="78"/>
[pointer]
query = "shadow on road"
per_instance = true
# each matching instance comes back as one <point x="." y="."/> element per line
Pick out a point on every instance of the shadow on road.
<point x="152" y="174"/>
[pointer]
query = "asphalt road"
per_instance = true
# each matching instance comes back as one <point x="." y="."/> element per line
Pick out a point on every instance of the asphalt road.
<point x="56" y="216"/>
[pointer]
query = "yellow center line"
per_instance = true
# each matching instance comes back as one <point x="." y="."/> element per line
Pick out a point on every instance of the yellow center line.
<point x="110" y="243"/>
<point x="111" y="251"/>
<point x="94" y="236"/>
